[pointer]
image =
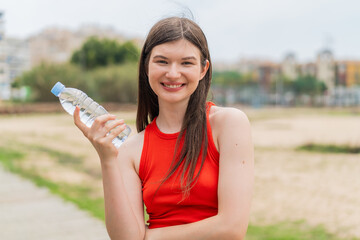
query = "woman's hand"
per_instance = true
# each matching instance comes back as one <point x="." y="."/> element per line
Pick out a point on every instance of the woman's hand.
<point x="101" y="133"/>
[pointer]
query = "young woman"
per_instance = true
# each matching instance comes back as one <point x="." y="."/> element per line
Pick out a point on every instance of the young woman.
<point x="191" y="162"/>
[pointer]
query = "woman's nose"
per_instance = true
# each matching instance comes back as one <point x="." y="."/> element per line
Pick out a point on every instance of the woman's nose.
<point x="173" y="72"/>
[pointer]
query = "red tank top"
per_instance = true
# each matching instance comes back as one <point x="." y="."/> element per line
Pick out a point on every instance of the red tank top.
<point x="166" y="208"/>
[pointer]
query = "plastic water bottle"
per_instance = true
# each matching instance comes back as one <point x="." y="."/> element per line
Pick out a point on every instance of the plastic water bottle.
<point x="89" y="109"/>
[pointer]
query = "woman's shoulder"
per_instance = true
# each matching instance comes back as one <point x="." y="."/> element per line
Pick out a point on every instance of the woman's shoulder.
<point x="135" y="140"/>
<point x="220" y="115"/>
<point x="226" y="119"/>
<point x="134" y="143"/>
<point x="131" y="149"/>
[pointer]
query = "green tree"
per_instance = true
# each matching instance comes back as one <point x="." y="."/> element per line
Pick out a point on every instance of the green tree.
<point x="97" y="52"/>
<point x="308" y="85"/>
<point x="43" y="77"/>
<point x="127" y="52"/>
<point x="282" y="83"/>
<point x="117" y="83"/>
<point x="227" y="78"/>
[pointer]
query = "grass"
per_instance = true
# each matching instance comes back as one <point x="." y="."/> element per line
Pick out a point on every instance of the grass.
<point x="7" y="157"/>
<point x="289" y="231"/>
<point x="267" y="113"/>
<point x="62" y="157"/>
<point x="66" y="159"/>
<point x="328" y="148"/>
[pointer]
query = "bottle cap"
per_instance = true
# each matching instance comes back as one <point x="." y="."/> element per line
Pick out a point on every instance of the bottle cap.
<point x="57" y="88"/>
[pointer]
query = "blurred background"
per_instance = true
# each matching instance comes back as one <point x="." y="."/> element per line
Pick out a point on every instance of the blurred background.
<point x="292" y="66"/>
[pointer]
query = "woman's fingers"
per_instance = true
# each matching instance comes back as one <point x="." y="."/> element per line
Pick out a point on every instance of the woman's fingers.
<point x="104" y="128"/>
<point x="113" y="124"/>
<point x="116" y="131"/>
<point x="78" y="122"/>
<point x="100" y="121"/>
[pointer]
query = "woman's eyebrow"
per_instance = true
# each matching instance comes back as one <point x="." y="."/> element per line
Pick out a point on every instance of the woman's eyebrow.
<point x="189" y="58"/>
<point x="160" y="56"/>
<point x="184" y="58"/>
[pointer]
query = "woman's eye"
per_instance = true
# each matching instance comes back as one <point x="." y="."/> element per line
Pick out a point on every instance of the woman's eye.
<point x="162" y="62"/>
<point x="187" y="63"/>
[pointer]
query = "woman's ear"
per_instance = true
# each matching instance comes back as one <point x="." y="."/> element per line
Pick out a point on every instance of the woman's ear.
<point x="204" y="69"/>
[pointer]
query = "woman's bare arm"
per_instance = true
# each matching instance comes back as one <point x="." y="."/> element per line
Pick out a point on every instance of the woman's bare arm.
<point x="122" y="187"/>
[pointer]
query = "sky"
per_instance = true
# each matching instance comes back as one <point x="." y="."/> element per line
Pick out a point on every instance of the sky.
<point x="235" y="29"/>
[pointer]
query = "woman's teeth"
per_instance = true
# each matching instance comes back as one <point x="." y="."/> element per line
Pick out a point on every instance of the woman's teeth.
<point x="172" y="86"/>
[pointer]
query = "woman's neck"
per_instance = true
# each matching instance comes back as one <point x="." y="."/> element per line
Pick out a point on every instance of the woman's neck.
<point x="171" y="116"/>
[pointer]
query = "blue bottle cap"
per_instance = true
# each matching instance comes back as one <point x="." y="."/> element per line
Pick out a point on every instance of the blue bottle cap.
<point x="57" y="88"/>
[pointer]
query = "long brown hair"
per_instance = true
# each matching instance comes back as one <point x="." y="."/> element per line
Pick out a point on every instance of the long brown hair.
<point x="193" y="129"/>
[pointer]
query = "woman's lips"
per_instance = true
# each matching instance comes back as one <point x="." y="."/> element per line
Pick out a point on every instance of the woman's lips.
<point x="173" y="86"/>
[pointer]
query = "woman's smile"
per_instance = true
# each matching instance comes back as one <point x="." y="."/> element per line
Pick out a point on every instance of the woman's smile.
<point x="172" y="86"/>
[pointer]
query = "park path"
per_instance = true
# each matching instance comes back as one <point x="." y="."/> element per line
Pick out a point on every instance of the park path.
<point x="33" y="213"/>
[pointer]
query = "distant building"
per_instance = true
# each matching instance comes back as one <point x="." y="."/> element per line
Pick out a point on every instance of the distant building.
<point x="251" y="68"/>
<point x="14" y="59"/>
<point x="267" y="73"/>
<point x="5" y="86"/>
<point x="225" y="66"/>
<point x="348" y="73"/>
<point x="325" y="68"/>
<point x="2" y="25"/>
<point x="308" y="69"/>
<point x="17" y="56"/>
<point x="248" y="66"/>
<point x="52" y="45"/>
<point x="15" y="62"/>
<point x="4" y="67"/>
<point x="289" y="67"/>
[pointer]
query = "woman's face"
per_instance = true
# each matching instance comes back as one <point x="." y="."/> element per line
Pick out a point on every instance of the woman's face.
<point x="174" y="70"/>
